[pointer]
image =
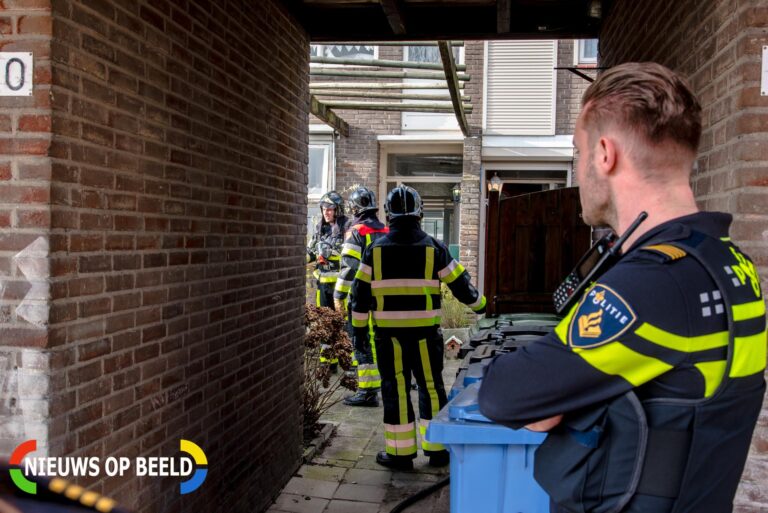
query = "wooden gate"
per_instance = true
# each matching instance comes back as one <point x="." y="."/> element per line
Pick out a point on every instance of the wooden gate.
<point x="532" y="242"/>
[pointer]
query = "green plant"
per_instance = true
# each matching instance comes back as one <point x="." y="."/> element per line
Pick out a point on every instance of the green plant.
<point x="326" y="336"/>
<point x="454" y="313"/>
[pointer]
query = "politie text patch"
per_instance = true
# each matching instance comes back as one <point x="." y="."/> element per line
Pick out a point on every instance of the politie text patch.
<point x="602" y="316"/>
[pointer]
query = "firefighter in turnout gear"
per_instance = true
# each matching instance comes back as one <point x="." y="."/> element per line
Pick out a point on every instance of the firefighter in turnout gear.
<point x="398" y="284"/>
<point x="651" y="385"/>
<point x="365" y="229"/>
<point x="325" y="249"/>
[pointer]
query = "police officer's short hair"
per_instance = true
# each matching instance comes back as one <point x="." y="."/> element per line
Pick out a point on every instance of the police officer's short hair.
<point x="648" y="99"/>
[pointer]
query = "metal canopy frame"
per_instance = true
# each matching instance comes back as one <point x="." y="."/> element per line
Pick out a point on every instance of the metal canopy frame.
<point x="446" y="75"/>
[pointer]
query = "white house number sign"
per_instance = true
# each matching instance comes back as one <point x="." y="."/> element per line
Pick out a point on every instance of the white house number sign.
<point x="16" y="70"/>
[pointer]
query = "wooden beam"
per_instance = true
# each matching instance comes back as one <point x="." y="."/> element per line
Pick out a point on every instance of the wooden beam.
<point x="394" y="106"/>
<point x="446" y="54"/>
<point x="393" y="96"/>
<point x="335" y="72"/>
<point x="380" y="63"/>
<point x="503" y="16"/>
<point x="325" y="114"/>
<point x="394" y="11"/>
<point x="393" y="43"/>
<point x="380" y="85"/>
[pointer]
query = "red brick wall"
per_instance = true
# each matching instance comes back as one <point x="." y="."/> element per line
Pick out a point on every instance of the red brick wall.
<point x="176" y="180"/>
<point x="25" y="26"/>
<point x="717" y="45"/>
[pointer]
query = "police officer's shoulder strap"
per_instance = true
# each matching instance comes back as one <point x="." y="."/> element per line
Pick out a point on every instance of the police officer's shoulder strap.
<point x="664" y="253"/>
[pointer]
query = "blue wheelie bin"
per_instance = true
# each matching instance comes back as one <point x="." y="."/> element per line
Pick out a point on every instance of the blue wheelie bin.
<point x="491" y="465"/>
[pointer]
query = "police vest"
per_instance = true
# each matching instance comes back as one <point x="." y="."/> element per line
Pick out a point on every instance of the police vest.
<point x="671" y="455"/>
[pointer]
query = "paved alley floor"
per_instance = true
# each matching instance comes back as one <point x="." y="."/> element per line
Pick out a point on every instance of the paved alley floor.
<point x="345" y="478"/>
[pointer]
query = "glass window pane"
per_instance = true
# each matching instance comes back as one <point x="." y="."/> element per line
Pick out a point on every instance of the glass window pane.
<point x="424" y="165"/>
<point x="588" y="50"/>
<point x="317" y="169"/>
<point x="429" y="54"/>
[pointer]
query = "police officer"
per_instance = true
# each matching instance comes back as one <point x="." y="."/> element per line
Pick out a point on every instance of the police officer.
<point x="651" y="385"/>
<point x="365" y="229"/>
<point x="398" y="283"/>
<point x="325" y="249"/>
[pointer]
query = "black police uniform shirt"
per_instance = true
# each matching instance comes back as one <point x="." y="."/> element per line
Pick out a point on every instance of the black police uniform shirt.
<point x="608" y="350"/>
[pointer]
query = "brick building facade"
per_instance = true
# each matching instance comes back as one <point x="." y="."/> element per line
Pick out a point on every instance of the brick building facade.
<point x="153" y="194"/>
<point x="718" y="46"/>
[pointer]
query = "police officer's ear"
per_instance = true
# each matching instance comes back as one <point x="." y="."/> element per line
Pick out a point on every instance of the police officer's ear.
<point x="607" y="152"/>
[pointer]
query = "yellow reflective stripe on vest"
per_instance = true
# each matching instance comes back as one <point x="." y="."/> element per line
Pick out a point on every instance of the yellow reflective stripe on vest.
<point x="616" y="359"/>
<point x="328" y="279"/>
<point x="406" y="323"/>
<point x="363" y="273"/>
<point x="359" y="320"/>
<point x="747" y="311"/>
<point x="749" y="355"/>
<point x="478" y="305"/>
<point x="713" y="375"/>
<point x="405" y="291"/>
<point x="680" y="343"/>
<point x="450" y="272"/>
<point x="429" y="270"/>
<point x="352" y="250"/>
<point x="343" y="286"/>
<point x="561" y="330"/>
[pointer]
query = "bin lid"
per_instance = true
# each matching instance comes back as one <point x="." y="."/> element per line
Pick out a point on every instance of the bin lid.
<point x="475" y="371"/>
<point x="460" y="422"/>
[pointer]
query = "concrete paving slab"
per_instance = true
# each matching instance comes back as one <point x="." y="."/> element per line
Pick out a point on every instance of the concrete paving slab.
<point x="299" y="504"/>
<point x="368" y="477"/>
<point x="340" y="506"/>
<point x="322" y="472"/>
<point x="360" y="492"/>
<point x="311" y="487"/>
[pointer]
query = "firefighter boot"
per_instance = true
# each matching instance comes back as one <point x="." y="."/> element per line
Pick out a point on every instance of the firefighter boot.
<point x="439" y="459"/>
<point x="394" y="462"/>
<point x="363" y="398"/>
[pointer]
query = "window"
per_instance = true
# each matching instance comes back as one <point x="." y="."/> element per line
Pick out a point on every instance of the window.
<point x="318" y="169"/>
<point x="352" y="51"/>
<point x="420" y="166"/>
<point x="428" y="120"/>
<point x="587" y="51"/>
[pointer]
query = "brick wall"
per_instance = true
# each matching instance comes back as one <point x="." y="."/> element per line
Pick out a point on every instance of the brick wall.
<point x="176" y="180"/>
<point x="570" y="88"/>
<point x="717" y="45"/>
<point x="24" y="222"/>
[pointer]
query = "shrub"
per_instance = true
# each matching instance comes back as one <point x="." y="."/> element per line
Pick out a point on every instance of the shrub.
<point x="319" y="386"/>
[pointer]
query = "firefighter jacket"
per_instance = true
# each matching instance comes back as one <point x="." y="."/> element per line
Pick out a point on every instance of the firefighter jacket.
<point x="398" y="282"/>
<point x="363" y="232"/>
<point x="325" y="249"/>
<point x="659" y="372"/>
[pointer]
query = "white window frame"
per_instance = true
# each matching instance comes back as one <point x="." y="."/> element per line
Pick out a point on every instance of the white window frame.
<point x="329" y="168"/>
<point x="578" y="50"/>
<point x="375" y="56"/>
<point x="428" y="121"/>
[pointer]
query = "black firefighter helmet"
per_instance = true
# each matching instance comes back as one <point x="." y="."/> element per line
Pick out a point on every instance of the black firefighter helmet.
<point x="332" y="199"/>
<point x="403" y="201"/>
<point x="361" y="200"/>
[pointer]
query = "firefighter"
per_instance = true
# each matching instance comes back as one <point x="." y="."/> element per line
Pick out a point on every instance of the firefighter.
<point x="325" y="249"/>
<point x="651" y="385"/>
<point x="365" y="229"/>
<point x="398" y="284"/>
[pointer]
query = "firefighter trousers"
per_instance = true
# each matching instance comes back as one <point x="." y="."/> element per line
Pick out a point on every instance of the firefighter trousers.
<point x="399" y="359"/>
